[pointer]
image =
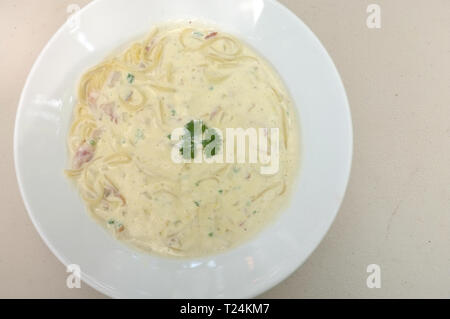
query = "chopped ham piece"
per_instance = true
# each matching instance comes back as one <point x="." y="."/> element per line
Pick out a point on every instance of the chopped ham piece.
<point x="97" y="133"/>
<point x="84" y="154"/>
<point x="114" y="192"/>
<point x="214" y="112"/>
<point x="129" y="96"/>
<point x="109" y="109"/>
<point x="92" y="99"/>
<point x="212" y="34"/>
<point x="114" y="77"/>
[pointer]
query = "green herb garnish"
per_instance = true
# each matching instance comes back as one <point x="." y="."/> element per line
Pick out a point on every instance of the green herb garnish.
<point x="220" y="191"/>
<point x="211" y="137"/>
<point x="191" y="136"/>
<point x="130" y="78"/>
<point x="139" y="134"/>
<point x="211" y="234"/>
<point x="198" y="34"/>
<point x="197" y="203"/>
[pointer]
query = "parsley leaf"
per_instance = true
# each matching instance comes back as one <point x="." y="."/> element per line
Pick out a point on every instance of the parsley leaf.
<point x="130" y="78"/>
<point x="189" y="139"/>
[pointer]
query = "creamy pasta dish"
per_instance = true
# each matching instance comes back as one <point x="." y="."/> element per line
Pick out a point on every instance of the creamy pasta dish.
<point x="122" y="143"/>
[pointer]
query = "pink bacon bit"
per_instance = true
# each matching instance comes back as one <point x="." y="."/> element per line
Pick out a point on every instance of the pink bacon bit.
<point x="114" y="192"/>
<point x="212" y="34"/>
<point x="109" y="109"/>
<point x="84" y="155"/>
<point x="214" y="112"/>
<point x="114" y="77"/>
<point x="92" y="99"/>
<point x="97" y="134"/>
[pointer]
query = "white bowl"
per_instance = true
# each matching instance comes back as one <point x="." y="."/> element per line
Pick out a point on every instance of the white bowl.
<point x="58" y="213"/>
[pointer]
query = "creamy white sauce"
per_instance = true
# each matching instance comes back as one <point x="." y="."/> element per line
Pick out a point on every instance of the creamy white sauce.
<point x="121" y="151"/>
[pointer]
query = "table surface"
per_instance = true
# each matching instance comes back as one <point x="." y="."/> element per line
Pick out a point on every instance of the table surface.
<point x="396" y="212"/>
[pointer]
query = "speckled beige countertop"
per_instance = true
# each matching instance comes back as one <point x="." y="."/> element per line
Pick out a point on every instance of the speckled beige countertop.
<point x="397" y="209"/>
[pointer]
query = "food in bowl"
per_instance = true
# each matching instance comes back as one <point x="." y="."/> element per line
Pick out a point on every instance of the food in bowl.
<point x="148" y="148"/>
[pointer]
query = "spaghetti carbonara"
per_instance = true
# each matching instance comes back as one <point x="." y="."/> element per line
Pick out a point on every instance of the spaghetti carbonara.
<point x="120" y="141"/>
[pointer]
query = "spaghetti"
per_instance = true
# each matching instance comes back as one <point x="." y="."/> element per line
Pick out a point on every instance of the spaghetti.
<point x="120" y="144"/>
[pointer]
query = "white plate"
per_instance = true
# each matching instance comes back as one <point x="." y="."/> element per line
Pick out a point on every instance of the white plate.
<point x="58" y="214"/>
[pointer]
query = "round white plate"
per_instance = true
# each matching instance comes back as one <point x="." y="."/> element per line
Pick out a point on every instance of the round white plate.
<point x="58" y="213"/>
